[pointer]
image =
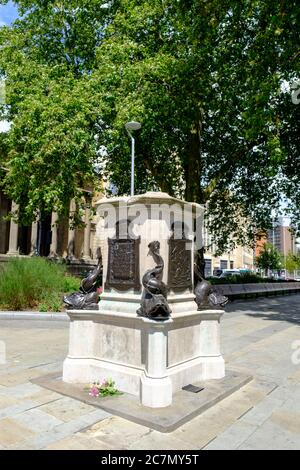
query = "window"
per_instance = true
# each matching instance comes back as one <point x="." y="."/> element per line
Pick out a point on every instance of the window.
<point x="208" y="267"/>
<point x="224" y="264"/>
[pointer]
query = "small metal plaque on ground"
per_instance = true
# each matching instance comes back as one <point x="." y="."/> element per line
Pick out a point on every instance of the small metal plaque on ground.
<point x="185" y="406"/>
<point x="192" y="388"/>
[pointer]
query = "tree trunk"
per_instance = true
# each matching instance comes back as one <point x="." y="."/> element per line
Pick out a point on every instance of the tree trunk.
<point x="160" y="179"/>
<point x="193" y="191"/>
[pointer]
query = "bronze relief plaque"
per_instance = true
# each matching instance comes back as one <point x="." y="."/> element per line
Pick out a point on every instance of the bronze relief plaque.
<point x="123" y="271"/>
<point x="180" y="265"/>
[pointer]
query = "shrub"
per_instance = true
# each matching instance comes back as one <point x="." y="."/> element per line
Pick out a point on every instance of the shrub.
<point x="71" y="284"/>
<point x="34" y="283"/>
<point x="244" y="278"/>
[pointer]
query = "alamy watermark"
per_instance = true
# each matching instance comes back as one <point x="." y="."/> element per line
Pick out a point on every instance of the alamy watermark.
<point x="296" y="353"/>
<point x="2" y="353"/>
<point x="180" y="222"/>
<point x="295" y="87"/>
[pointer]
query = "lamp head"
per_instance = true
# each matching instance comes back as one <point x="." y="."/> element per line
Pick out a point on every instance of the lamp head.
<point x="133" y="126"/>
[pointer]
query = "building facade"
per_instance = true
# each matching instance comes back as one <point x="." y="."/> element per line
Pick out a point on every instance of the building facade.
<point x="55" y="239"/>
<point x="49" y="237"/>
<point x="282" y="237"/>
<point x="242" y="257"/>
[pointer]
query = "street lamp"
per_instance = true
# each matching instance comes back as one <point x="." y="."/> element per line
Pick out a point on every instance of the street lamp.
<point x="132" y="126"/>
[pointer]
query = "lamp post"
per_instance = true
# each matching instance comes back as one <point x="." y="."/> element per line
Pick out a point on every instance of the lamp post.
<point x="132" y="126"/>
<point x="284" y="248"/>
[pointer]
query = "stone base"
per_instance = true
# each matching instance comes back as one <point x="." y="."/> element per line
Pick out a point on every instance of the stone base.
<point x="6" y="257"/>
<point x="156" y="392"/>
<point x="148" y="359"/>
<point x="185" y="406"/>
<point x="80" y="267"/>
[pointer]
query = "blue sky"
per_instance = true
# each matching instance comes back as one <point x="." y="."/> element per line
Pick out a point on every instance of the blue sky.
<point x="7" y="13"/>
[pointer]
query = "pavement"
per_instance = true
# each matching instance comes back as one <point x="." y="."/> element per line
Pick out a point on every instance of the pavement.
<point x="260" y="337"/>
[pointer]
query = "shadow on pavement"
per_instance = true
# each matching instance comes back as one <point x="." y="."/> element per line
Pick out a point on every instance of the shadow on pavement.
<point x="284" y="309"/>
<point x="291" y="317"/>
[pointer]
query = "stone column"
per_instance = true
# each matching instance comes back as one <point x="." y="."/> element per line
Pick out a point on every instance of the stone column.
<point x="34" y="239"/>
<point x="53" y="247"/>
<point x="13" y="249"/>
<point x="71" y="236"/>
<point x="87" y="233"/>
<point x="156" y="385"/>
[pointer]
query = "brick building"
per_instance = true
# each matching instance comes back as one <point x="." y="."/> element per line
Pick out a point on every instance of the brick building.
<point x="282" y="236"/>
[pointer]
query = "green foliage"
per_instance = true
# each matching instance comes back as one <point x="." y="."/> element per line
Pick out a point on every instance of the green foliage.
<point x="203" y="78"/>
<point x="51" y="140"/>
<point x="292" y="262"/>
<point x="51" y="303"/>
<point x="34" y="284"/>
<point x="244" y="278"/>
<point x="107" y="388"/>
<point x="70" y="284"/>
<point x="270" y="258"/>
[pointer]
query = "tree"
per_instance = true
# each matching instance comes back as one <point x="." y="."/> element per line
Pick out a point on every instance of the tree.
<point x="269" y="259"/>
<point x="52" y="145"/>
<point x="292" y="262"/>
<point x="202" y="77"/>
<point x="51" y="148"/>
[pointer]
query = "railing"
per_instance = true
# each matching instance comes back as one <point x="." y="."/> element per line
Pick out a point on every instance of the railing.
<point x="234" y="291"/>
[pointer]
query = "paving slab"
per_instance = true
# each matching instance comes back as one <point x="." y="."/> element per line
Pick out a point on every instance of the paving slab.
<point x="257" y="339"/>
<point x="271" y="436"/>
<point x="66" y="408"/>
<point x="6" y="401"/>
<point x="24" y="390"/>
<point x="233" y="437"/>
<point x="37" y="421"/>
<point x="16" y="409"/>
<point x="79" y="443"/>
<point x="11" y="432"/>
<point x="185" y="406"/>
<point x="61" y="431"/>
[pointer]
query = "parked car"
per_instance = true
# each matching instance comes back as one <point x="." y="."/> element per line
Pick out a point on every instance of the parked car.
<point x="230" y="273"/>
<point x="221" y="273"/>
<point x="217" y="272"/>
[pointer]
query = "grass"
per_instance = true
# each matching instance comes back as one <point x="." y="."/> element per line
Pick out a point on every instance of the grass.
<point x="34" y="284"/>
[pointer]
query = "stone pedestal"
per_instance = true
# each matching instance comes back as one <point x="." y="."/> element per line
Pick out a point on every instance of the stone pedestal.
<point x="147" y="358"/>
<point x="156" y="385"/>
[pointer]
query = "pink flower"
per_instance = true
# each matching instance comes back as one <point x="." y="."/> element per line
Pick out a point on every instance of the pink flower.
<point x="94" y="392"/>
